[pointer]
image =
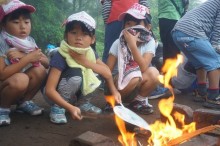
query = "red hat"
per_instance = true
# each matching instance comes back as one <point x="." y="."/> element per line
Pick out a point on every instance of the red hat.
<point x="12" y="6"/>
<point x="137" y="11"/>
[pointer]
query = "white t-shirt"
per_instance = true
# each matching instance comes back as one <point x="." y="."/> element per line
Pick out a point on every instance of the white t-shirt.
<point x="149" y="47"/>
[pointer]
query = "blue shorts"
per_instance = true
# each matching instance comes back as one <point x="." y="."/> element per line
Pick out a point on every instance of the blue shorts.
<point x="199" y="51"/>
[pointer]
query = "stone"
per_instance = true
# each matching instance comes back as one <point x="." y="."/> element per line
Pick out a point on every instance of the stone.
<point x="182" y="109"/>
<point x="90" y="138"/>
<point x="206" y="117"/>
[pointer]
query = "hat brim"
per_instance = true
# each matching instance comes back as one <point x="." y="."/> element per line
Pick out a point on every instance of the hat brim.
<point x="122" y="15"/>
<point x="30" y="8"/>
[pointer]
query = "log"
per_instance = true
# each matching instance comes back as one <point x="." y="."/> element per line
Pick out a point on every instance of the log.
<point x="188" y="136"/>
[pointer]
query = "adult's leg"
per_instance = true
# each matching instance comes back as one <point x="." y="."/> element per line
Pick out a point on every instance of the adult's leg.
<point x="170" y="50"/>
<point x="112" y="32"/>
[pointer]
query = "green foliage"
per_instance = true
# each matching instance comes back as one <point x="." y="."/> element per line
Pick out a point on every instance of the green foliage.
<point x="99" y="41"/>
<point x="49" y="15"/>
<point x="47" y="21"/>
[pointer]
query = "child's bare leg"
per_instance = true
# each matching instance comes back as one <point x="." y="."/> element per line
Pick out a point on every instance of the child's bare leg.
<point x="130" y="87"/>
<point x="150" y="81"/>
<point x="36" y="75"/>
<point x="13" y="89"/>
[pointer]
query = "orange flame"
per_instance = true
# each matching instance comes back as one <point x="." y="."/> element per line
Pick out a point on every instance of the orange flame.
<point x="126" y="138"/>
<point x="162" y="133"/>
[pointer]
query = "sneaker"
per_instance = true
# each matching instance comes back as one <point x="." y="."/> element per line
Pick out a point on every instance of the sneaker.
<point x="4" y="117"/>
<point x="29" y="107"/>
<point x="89" y="108"/>
<point x="142" y="107"/>
<point x="158" y="92"/>
<point x="212" y="103"/>
<point x="57" y="115"/>
<point x="199" y="98"/>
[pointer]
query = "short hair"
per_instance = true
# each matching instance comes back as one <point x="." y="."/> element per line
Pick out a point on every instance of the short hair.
<point x="70" y="26"/>
<point x="16" y="14"/>
<point x="129" y="17"/>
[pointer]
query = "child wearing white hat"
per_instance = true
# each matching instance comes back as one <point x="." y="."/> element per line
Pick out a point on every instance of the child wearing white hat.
<point x="73" y="68"/>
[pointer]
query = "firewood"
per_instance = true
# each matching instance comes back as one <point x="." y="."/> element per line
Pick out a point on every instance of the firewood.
<point x="188" y="136"/>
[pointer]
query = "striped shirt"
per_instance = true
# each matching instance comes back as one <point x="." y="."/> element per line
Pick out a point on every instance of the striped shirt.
<point x="106" y="8"/>
<point x="202" y="22"/>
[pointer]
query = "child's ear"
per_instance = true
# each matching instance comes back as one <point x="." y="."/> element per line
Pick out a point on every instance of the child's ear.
<point x="93" y="39"/>
<point x="148" y="26"/>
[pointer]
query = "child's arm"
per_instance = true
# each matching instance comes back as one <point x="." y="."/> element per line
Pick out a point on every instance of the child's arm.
<point x="44" y="61"/>
<point x="111" y="62"/>
<point x="51" y="93"/>
<point x="8" y="70"/>
<point x="13" y="53"/>
<point x="100" y="68"/>
<point x="109" y="81"/>
<point x="132" y="44"/>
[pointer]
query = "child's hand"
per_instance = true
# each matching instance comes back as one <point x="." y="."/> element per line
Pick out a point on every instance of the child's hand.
<point x="13" y="53"/>
<point x="76" y="113"/>
<point x="34" y="56"/>
<point x="117" y="96"/>
<point x="130" y="39"/>
<point x="79" y="58"/>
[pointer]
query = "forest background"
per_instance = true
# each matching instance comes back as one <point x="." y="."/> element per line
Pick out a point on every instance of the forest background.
<point x="50" y="14"/>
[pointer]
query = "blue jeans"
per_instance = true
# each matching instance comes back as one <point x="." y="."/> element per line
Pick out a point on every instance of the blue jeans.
<point x="112" y="32"/>
<point x="199" y="51"/>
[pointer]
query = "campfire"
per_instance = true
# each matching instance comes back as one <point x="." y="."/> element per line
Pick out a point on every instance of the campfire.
<point x="161" y="133"/>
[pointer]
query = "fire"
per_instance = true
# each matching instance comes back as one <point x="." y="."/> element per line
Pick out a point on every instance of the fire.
<point x="162" y="133"/>
<point x="126" y="138"/>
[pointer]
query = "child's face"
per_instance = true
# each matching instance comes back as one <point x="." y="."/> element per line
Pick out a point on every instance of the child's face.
<point x="130" y="24"/>
<point x="77" y="38"/>
<point x="20" y="27"/>
<point x="133" y="23"/>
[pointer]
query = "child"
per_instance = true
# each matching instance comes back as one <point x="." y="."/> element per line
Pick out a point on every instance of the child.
<point x="72" y="71"/>
<point x="133" y="53"/>
<point x="20" y="81"/>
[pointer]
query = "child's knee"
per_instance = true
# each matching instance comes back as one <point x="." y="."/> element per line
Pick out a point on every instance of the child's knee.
<point x="151" y="74"/>
<point x="20" y="82"/>
<point x="39" y="73"/>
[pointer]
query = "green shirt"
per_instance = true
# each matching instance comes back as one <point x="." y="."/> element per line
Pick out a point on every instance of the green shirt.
<point x="166" y="9"/>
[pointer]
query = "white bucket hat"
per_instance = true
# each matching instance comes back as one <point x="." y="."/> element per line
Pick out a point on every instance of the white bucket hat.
<point x="82" y="17"/>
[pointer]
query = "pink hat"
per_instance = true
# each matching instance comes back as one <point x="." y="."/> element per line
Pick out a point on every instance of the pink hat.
<point x="82" y="17"/>
<point x="137" y="11"/>
<point x="12" y="6"/>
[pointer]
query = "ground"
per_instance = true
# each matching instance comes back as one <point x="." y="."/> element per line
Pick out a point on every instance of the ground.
<point x="28" y="130"/>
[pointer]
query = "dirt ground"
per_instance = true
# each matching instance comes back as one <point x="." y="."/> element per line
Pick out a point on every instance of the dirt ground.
<point x="28" y="130"/>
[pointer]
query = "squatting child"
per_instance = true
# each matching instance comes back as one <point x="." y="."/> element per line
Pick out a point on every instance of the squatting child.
<point x="19" y="82"/>
<point x="73" y="68"/>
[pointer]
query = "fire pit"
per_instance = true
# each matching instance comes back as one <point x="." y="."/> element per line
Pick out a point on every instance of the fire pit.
<point x="169" y="133"/>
